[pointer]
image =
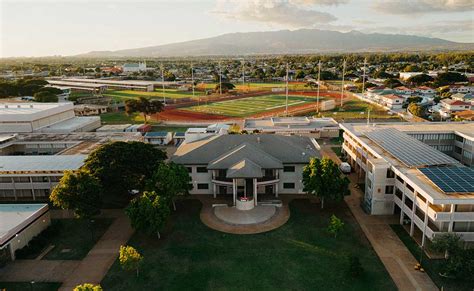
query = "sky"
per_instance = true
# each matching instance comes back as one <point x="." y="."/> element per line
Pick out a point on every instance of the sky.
<point x="70" y="27"/>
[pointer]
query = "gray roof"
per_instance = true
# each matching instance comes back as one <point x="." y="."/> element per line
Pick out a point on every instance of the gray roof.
<point x="41" y="163"/>
<point x="245" y="169"/>
<point x="286" y="149"/>
<point x="409" y="150"/>
<point x="248" y="151"/>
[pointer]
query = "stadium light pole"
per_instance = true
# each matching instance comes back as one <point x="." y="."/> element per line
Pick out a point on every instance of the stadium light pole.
<point x="163" y="83"/>
<point x="342" y="86"/>
<point x="192" y="80"/>
<point x="220" y="79"/>
<point x="286" y="91"/>
<point x="363" y="76"/>
<point x="319" y="81"/>
<point x="243" y="73"/>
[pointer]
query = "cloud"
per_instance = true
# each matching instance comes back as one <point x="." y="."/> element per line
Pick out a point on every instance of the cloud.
<point x="289" y="13"/>
<point x="432" y="29"/>
<point x="422" y="6"/>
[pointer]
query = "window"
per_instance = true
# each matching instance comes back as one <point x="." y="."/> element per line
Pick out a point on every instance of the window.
<point x="201" y="169"/>
<point x="289" y="185"/>
<point x="288" y="168"/>
<point x="400" y="179"/>
<point x="202" y="186"/>
<point x="390" y="173"/>
<point x="457" y="150"/>
<point x="389" y="189"/>
<point x="190" y="169"/>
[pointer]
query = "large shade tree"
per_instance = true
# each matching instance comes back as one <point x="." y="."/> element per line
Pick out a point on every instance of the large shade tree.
<point x="122" y="167"/>
<point x="78" y="191"/>
<point x="144" y="106"/>
<point x="170" y="180"/>
<point x="148" y="213"/>
<point x="322" y="178"/>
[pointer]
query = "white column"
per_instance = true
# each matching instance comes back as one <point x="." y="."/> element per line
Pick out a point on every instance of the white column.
<point x="255" y="191"/>
<point x="276" y="190"/>
<point x="214" y="189"/>
<point x="413" y="210"/>
<point x="234" y="191"/>
<point x="401" y="208"/>
<point x="425" y="224"/>
<point x="451" y="223"/>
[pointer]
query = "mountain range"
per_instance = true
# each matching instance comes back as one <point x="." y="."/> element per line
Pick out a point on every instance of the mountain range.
<point x="302" y="41"/>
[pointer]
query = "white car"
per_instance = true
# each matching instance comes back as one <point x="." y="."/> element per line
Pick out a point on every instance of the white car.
<point x="345" y="167"/>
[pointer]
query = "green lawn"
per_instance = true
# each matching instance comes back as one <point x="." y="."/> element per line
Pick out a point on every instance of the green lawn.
<point x="257" y="86"/>
<point x="357" y="109"/>
<point x="170" y="128"/>
<point x="72" y="239"/>
<point x="251" y="105"/>
<point x="120" y="117"/>
<point x="300" y="255"/>
<point x="432" y="266"/>
<point x="157" y="94"/>
<point x="24" y="286"/>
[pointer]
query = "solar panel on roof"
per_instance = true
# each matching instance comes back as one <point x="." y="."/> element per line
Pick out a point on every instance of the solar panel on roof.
<point x="451" y="179"/>
<point x="409" y="150"/>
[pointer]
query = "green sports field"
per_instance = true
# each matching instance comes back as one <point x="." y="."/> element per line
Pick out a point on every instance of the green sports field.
<point x="251" y="105"/>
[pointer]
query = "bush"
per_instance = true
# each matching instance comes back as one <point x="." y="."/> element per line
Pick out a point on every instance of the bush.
<point x="355" y="267"/>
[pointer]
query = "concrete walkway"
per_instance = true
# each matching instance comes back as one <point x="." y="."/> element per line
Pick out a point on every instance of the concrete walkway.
<point x="209" y="218"/>
<point x="94" y="267"/>
<point x="396" y="258"/>
<point x="38" y="271"/>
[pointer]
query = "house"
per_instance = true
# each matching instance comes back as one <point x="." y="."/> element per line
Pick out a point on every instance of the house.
<point x="392" y="101"/>
<point x="465" y="115"/>
<point x="402" y="90"/>
<point x="416" y="171"/>
<point x="246" y="165"/>
<point x="408" y="75"/>
<point x="161" y="138"/>
<point x="424" y="90"/>
<point x="461" y="89"/>
<point x="19" y="224"/>
<point x="449" y="106"/>
<point x="466" y="97"/>
<point x="89" y="109"/>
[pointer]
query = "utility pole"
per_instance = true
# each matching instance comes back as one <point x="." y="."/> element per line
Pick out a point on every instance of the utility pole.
<point x="243" y="73"/>
<point x="220" y="79"/>
<point x="163" y="83"/>
<point x="286" y="90"/>
<point x="368" y="116"/>
<point x="342" y="86"/>
<point x="363" y="76"/>
<point x="319" y="81"/>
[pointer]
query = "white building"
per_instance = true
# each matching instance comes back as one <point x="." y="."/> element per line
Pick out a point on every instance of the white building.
<point x="133" y="67"/>
<point x="43" y="117"/>
<point x="310" y="126"/>
<point x="19" y="223"/>
<point x="236" y="166"/>
<point x="392" y="101"/>
<point x="450" y="106"/>
<point x="197" y="133"/>
<point x="415" y="170"/>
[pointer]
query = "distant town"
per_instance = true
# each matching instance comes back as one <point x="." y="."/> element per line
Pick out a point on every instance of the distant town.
<point x="302" y="172"/>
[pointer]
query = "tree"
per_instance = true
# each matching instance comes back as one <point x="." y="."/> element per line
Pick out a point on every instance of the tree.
<point x="88" y="287"/>
<point x="335" y="225"/>
<point x="171" y="180"/>
<point x="449" y="243"/>
<point x="78" y="191"/>
<point x="123" y="166"/>
<point x="225" y="87"/>
<point x="45" y="96"/>
<point x="323" y="179"/>
<point x="448" y="78"/>
<point x="392" y="83"/>
<point x="355" y="267"/>
<point x="130" y="259"/>
<point x="300" y="74"/>
<point x="415" y="109"/>
<point x="148" y="212"/>
<point x="412" y="68"/>
<point x="383" y="75"/>
<point x="144" y="106"/>
<point x="420" y="79"/>
<point x="459" y="262"/>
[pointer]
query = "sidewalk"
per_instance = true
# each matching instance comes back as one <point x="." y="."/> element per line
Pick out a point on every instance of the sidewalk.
<point x="94" y="267"/>
<point x="396" y="258"/>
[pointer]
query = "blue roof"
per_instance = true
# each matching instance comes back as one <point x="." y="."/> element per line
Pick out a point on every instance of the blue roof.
<point x="179" y="134"/>
<point x="157" y="133"/>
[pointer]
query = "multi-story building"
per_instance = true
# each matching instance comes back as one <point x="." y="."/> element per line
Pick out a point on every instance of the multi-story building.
<point x="246" y="165"/>
<point x="308" y="126"/>
<point x="44" y="117"/>
<point x="416" y="170"/>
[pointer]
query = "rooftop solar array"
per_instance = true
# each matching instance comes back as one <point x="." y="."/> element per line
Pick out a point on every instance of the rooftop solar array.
<point x="451" y="179"/>
<point x="408" y="150"/>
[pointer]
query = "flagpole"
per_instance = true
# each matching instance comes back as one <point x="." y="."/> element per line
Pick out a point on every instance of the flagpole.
<point x="319" y="81"/>
<point x="342" y="87"/>
<point x="286" y="90"/>
<point x="163" y="84"/>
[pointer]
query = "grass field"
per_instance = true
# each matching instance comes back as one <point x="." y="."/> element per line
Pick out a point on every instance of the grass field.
<point x="256" y="86"/>
<point x="300" y="255"/>
<point x="121" y="117"/>
<point x="357" y="109"/>
<point x="251" y="105"/>
<point x="157" y="94"/>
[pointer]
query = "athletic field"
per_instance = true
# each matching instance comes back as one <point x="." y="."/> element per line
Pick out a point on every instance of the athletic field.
<point x="157" y="94"/>
<point x="251" y="105"/>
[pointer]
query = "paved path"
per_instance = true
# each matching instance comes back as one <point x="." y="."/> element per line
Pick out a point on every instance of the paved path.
<point x="397" y="259"/>
<point x="38" y="271"/>
<point x="94" y="267"/>
<point x="212" y="221"/>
